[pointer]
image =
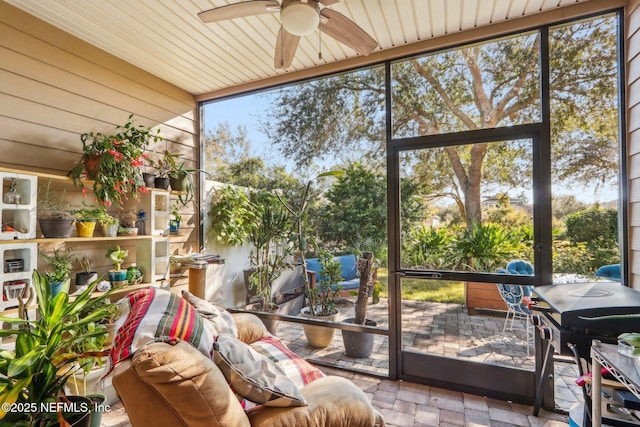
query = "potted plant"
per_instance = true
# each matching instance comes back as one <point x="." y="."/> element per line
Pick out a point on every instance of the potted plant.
<point x="117" y="276"/>
<point x="360" y="344"/>
<point x="61" y="263"/>
<point x="109" y="223"/>
<point x="86" y="276"/>
<point x="164" y="166"/>
<point x="128" y="224"/>
<point x="54" y="213"/>
<point x="270" y="227"/>
<point x="86" y="218"/>
<point x="175" y="219"/>
<point x="36" y="372"/>
<point x="114" y="162"/>
<point x="322" y="301"/>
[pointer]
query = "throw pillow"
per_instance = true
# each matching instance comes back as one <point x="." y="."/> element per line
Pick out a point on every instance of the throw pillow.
<point x="250" y="327"/>
<point x="253" y="376"/>
<point x="295" y="368"/>
<point x="156" y="315"/>
<point x="221" y="320"/>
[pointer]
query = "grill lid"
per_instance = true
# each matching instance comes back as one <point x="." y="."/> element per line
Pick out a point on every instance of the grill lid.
<point x="570" y="302"/>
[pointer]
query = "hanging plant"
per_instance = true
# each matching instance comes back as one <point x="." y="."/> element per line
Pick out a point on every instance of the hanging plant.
<point x="114" y="163"/>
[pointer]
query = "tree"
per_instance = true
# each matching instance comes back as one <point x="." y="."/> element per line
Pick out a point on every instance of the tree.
<point x="357" y="206"/>
<point x="488" y="85"/>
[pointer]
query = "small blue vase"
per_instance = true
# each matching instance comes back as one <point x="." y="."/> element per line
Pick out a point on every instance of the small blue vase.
<point x="57" y="287"/>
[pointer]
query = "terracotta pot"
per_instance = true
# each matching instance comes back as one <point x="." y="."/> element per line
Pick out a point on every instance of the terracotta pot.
<point x="91" y="164"/>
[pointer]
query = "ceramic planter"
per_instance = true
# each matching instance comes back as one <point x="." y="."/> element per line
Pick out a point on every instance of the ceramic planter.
<point x="149" y="179"/>
<point x="358" y="344"/>
<point x="110" y="230"/>
<point x="162" y="182"/>
<point x="318" y="336"/>
<point x="118" y="277"/>
<point x="56" y="227"/>
<point x="57" y="287"/>
<point x="174" y="226"/>
<point x="85" y="228"/>
<point x="83" y="278"/>
<point x="179" y="183"/>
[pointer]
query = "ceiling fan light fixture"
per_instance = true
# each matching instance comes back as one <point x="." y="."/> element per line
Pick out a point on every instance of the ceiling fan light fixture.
<point x="299" y="18"/>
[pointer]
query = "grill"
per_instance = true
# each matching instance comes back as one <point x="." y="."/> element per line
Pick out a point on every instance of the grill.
<point x="565" y="307"/>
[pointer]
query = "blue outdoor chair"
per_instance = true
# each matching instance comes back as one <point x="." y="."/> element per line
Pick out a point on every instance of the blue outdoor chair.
<point x="524" y="268"/>
<point x="611" y="272"/>
<point x="517" y="309"/>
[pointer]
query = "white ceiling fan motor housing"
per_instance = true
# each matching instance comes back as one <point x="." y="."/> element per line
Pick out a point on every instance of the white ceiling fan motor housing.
<point x="300" y="17"/>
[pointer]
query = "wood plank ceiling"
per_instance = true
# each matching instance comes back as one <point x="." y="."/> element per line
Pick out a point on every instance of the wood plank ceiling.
<point x="166" y="38"/>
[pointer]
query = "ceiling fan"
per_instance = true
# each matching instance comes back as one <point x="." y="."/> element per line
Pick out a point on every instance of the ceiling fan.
<point x="298" y="18"/>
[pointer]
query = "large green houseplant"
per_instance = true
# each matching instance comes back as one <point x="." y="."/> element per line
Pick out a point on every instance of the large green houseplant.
<point x="322" y="301"/>
<point x="33" y="375"/>
<point x="114" y="162"/>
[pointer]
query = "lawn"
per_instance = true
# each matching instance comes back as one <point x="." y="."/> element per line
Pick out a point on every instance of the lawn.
<point x="424" y="290"/>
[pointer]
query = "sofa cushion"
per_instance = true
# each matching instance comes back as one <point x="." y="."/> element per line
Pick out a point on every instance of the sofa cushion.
<point x="250" y="327"/>
<point x="155" y="315"/>
<point x="184" y="381"/>
<point x="348" y="266"/>
<point x="253" y="376"/>
<point x="295" y="368"/>
<point x="220" y="319"/>
<point x="333" y="402"/>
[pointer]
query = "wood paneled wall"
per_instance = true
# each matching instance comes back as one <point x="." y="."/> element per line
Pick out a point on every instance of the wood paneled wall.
<point x="54" y="87"/>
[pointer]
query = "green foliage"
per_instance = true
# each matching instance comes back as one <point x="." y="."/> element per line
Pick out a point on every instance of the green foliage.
<point x="117" y="160"/>
<point x="117" y="256"/>
<point x="594" y="226"/>
<point x="322" y="298"/>
<point x="231" y="216"/>
<point x="272" y="226"/>
<point x="61" y="261"/>
<point x="426" y="247"/>
<point x="357" y="206"/>
<point x="482" y="247"/>
<point x="572" y="258"/>
<point x="37" y="370"/>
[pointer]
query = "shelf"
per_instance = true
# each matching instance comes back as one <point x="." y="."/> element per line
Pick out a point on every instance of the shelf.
<point x="83" y="239"/>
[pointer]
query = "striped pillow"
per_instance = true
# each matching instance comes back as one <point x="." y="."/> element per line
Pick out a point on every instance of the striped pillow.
<point x="296" y="368"/>
<point x="156" y="315"/>
<point x="253" y="376"/>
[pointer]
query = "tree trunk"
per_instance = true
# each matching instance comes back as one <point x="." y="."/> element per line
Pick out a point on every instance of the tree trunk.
<point x="366" y="271"/>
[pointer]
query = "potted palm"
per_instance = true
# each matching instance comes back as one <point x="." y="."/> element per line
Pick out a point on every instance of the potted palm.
<point x="54" y="213"/>
<point x="114" y="162"/>
<point x="36" y="372"/>
<point x="322" y="301"/>
<point x="61" y="263"/>
<point x="117" y="276"/>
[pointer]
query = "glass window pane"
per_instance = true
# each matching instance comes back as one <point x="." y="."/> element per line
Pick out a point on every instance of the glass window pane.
<point x="488" y="85"/>
<point x="467" y="207"/>
<point x="585" y="147"/>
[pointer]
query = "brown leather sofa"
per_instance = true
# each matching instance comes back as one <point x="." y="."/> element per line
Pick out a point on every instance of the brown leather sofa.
<point x="176" y="385"/>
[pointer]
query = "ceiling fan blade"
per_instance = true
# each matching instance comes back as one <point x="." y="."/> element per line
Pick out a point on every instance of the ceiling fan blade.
<point x="329" y="2"/>
<point x="239" y="10"/>
<point x="286" y="47"/>
<point x="346" y="31"/>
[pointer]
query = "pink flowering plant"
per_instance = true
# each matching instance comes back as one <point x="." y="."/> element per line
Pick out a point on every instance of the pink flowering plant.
<point x="114" y="163"/>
